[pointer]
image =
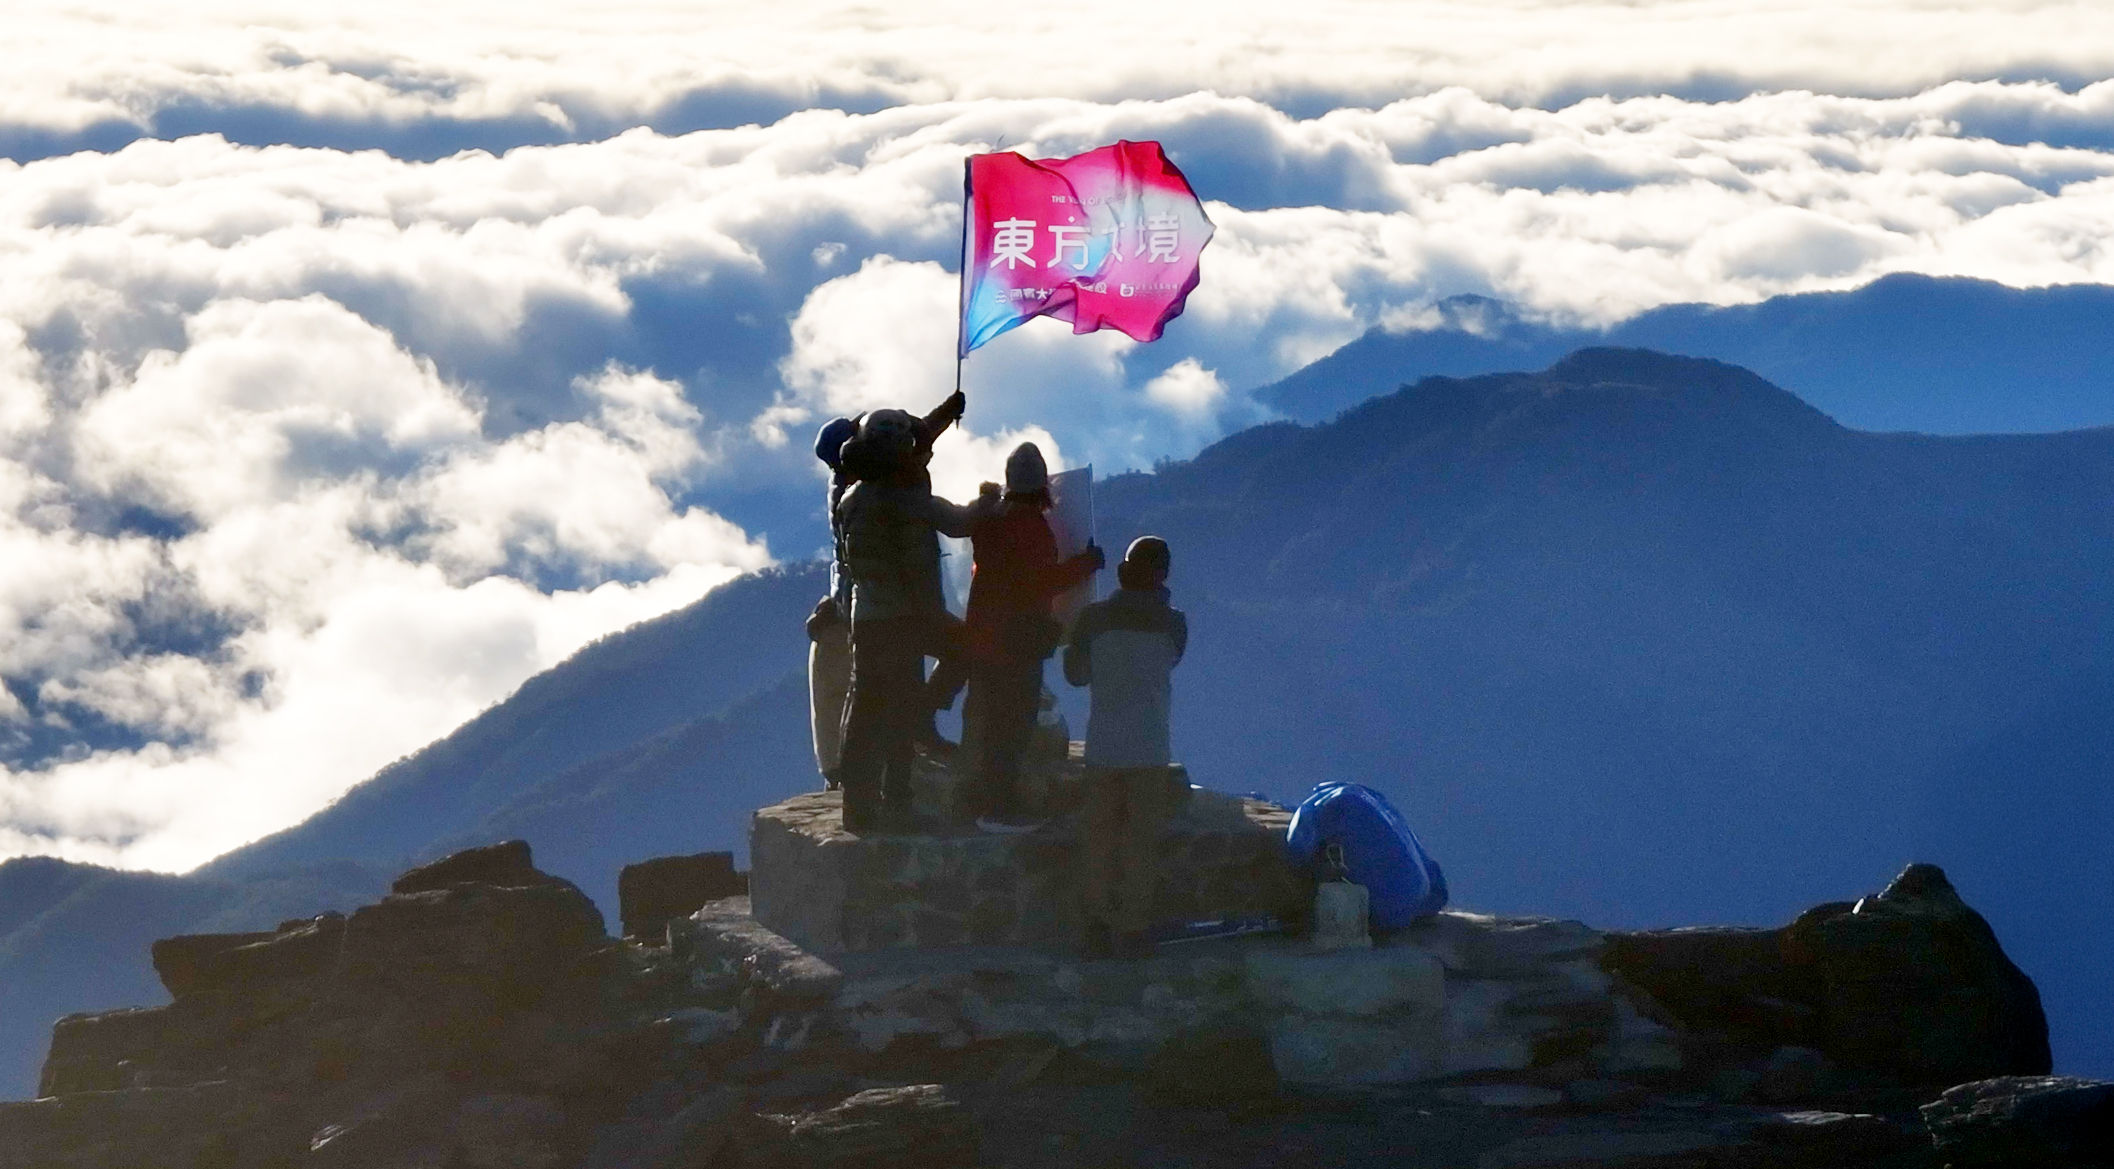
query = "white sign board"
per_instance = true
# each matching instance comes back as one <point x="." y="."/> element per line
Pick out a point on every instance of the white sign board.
<point x="1072" y="522"/>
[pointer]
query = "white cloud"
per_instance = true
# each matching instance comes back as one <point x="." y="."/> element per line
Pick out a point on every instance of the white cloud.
<point x="298" y="443"/>
<point x="1186" y="387"/>
<point x="435" y="78"/>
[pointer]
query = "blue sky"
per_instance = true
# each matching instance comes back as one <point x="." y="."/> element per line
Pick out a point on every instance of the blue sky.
<point x="358" y="364"/>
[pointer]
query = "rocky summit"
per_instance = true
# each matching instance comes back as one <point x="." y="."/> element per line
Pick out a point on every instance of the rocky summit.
<point x="479" y="1017"/>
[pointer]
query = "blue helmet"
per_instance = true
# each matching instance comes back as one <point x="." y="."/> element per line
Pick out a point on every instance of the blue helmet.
<point x="829" y="441"/>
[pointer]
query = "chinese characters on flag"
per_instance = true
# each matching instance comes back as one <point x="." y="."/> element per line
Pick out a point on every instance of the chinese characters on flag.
<point x="1106" y="238"/>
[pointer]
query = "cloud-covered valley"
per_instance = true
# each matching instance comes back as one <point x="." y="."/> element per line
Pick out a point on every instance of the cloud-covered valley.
<point x="309" y="452"/>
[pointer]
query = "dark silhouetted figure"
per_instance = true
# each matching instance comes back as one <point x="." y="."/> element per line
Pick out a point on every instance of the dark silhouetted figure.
<point x="1010" y="633"/>
<point x="890" y="523"/>
<point x="1126" y="648"/>
<point x="829" y="626"/>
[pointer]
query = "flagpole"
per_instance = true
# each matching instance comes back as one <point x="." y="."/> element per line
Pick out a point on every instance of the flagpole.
<point x="961" y="315"/>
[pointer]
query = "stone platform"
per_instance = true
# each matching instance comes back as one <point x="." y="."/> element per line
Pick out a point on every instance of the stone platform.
<point x="1457" y="995"/>
<point x="944" y="885"/>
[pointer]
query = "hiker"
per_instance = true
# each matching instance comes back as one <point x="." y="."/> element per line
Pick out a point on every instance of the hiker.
<point x="1126" y="648"/>
<point x="889" y="523"/>
<point x="1010" y="633"/>
<point x="829" y="626"/>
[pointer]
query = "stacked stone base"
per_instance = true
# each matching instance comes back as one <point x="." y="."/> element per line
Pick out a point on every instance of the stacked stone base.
<point x="1461" y="995"/>
<point x="834" y="891"/>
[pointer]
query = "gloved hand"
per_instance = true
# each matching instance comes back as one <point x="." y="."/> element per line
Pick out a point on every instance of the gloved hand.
<point x="954" y="405"/>
<point x="1095" y="556"/>
<point x="824" y="618"/>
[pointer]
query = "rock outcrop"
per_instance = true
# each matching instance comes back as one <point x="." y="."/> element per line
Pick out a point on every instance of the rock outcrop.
<point x="478" y="1016"/>
<point x="2024" y="1122"/>
<point x="1908" y="987"/>
<point x="655" y="892"/>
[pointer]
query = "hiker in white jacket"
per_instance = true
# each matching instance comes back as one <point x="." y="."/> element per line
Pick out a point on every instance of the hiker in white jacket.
<point x="1126" y="648"/>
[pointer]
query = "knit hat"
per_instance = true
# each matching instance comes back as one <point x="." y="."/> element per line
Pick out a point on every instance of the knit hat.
<point x="1145" y="564"/>
<point x="1025" y="470"/>
<point x="829" y="441"/>
<point x="890" y="436"/>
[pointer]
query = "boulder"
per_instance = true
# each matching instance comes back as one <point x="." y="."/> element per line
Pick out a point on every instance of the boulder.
<point x="1910" y="984"/>
<point x="914" y="1127"/>
<point x="1728" y="981"/>
<point x="724" y="933"/>
<point x="2024" y="1122"/>
<point x="183" y="962"/>
<point x="1820" y="1138"/>
<point x="507" y="863"/>
<point x="207" y="1124"/>
<point x="299" y="952"/>
<point x="95" y="1052"/>
<point x="1913" y="983"/>
<point x="654" y="892"/>
<point x="511" y="938"/>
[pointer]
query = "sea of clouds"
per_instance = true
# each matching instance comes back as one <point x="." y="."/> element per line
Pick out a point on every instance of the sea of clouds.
<point x="355" y="367"/>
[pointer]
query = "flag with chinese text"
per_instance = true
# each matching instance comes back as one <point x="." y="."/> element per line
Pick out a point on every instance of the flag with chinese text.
<point x="1106" y="238"/>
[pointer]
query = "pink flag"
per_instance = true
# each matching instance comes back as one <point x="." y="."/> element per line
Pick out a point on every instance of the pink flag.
<point x="1110" y="237"/>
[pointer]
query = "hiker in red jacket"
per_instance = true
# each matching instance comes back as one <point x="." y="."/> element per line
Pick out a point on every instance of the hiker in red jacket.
<point x="1009" y="634"/>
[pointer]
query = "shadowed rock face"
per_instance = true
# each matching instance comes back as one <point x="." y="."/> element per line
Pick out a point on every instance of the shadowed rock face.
<point x="2024" y="1122"/>
<point x="479" y="1017"/>
<point x="1910" y="984"/>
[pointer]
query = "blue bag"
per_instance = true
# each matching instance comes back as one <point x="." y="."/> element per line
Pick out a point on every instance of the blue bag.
<point x="1379" y="851"/>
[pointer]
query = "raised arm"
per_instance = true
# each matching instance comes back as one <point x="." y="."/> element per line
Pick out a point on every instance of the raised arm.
<point x="959" y="519"/>
<point x="944" y="415"/>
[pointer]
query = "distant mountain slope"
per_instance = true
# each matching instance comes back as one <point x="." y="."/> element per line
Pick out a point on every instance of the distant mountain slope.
<point x="687" y="789"/>
<point x="627" y="687"/>
<point x="1904" y="353"/>
<point x="1646" y="639"/>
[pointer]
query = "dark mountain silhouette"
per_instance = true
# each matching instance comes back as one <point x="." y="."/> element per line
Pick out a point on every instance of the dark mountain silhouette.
<point x="1638" y="639"/>
<point x="1913" y="353"/>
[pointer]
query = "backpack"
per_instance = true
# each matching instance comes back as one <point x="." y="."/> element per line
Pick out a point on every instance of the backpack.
<point x="1380" y="851"/>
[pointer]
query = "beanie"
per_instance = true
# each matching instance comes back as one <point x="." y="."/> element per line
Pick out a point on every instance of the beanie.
<point x="829" y="441"/>
<point x="1025" y="470"/>
<point x="1145" y="564"/>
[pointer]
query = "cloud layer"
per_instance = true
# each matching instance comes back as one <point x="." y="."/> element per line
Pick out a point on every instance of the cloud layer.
<point x="423" y="80"/>
<point x="307" y="453"/>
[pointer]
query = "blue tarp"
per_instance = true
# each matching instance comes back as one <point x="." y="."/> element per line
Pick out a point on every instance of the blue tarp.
<point x="1379" y="851"/>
